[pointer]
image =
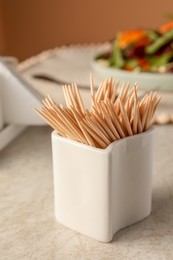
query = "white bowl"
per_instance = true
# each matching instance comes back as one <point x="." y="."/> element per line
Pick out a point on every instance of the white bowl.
<point x="99" y="191"/>
<point x="146" y="80"/>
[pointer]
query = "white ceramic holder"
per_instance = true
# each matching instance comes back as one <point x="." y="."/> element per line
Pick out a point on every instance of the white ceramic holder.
<point x="100" y="191"/>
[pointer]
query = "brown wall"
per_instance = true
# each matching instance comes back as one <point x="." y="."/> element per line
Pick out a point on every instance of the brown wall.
<point x="1" y="31"/>
<point x="31" y="26"/>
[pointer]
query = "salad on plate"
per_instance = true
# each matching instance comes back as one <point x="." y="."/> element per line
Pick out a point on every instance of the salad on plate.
<point x="142" y="50"/>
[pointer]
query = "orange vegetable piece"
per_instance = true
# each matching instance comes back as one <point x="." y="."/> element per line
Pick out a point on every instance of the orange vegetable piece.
<point x="143" y="41"/>
<point x="131" y="36"/>
<point x="128" y="68"/>
<point x="144" y="64"/>
<point x="166" y="27"/>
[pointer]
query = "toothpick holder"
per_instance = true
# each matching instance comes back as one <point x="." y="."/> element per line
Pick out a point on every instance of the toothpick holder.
<point x="100" y="191"/>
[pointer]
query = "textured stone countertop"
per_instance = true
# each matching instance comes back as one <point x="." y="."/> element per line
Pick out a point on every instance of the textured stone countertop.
<point x="28" y="229"/>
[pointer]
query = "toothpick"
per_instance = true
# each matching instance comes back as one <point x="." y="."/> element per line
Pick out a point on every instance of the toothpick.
<point x="110" y="124"/>
<point x="82" y="107"/>
<point x="115" y="120"/>
<point x="97" y="131"/>
<point x="93" y="134"/>
<point x="125" y="118"/>
<point x="87" y="136"/>
<point x="66" y="95"/>
<point x="99" y="125"/>
<point x="104" y="125"/>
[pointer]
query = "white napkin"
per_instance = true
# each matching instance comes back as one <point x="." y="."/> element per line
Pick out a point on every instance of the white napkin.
<point x="16" y="98"/>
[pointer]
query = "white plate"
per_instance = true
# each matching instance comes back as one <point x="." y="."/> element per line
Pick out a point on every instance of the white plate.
<point x="146" y="80"/>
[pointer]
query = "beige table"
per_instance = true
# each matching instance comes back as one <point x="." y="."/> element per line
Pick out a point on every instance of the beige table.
<point x="28" y="229"/>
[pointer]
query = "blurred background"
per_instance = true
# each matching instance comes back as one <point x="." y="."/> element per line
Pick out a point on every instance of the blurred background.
<point x="31" y="26"/>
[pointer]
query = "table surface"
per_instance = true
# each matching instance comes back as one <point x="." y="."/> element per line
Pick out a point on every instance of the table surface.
<point x="28" y="229"/>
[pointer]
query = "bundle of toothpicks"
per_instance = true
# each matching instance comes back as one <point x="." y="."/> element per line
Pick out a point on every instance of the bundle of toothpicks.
<point x="116" y="112"/>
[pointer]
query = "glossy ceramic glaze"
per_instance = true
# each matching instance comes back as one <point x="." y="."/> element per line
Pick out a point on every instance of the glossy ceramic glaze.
<point x="99" y="191"/>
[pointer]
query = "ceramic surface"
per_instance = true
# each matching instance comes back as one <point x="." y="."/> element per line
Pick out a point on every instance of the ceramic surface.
<point x="99" y="191"/>
<point x="146" y="80"/>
